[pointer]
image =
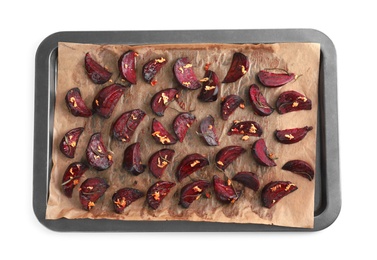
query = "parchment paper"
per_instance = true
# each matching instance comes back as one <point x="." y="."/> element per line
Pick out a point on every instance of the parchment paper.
<point x="295" y="210"/>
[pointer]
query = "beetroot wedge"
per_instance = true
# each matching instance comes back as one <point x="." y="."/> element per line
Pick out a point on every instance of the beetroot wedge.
<point x="161" y="100"/>
<point x="293" y="135"/>
<point x="227" y="155"/>
<point x="151" y="68"/>
<point x="132" y="159"/>
<point x="248" y="179"/>
<point x="192" y="191"/>
<point x="229" y="104"/>
<point x="127" y="66"/>
<point x="290" y="101"/>
<point x="190" y="164"/>
<point x="208" y="132"/>
<point x="97" y="73"/>
<point x="125" y="125"/>
<point x="210" y="87"/>
<point x="300" y="167"/>
<point x="261" y="155"/>
<point x="69" y="142"/>
<point x="76" y="104"/>
<point x="71" y="177"/>
<point x="159" y="161"/>
<point x="248" y="128"/>
<point x="238" y="68"/>
<point x="224" y="190"/>
<point x="160" y="134"/>
<point x="274" y="191"/>
<point x="185" y="74"/>
<point x="123" y="197"/>
<point x="96" y="153"/>
<point x="106" y="99"/>
<point x="157" y="192"/>
<point x="182" y="122"/>
<point x="259" y="102"/>
<point x="91" y="190"/>
<point x="274" y="78"/>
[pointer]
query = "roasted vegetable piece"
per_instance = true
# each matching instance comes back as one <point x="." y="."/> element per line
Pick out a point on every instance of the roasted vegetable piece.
<point x="258" y="102"/>
<point x="248" y="179"/>
<point x="300" y="167"/>
<point x="69" y="141"/>
<point x="151" y="68"/>
<point x="123" y="197"/>
<point x="157" y="192"/>
<point x="185" y="74"/>
<point x="71" y="177"/>
<point x="132" y="159"/>
<point x="160" y="134"/>
<point x="127" y="66"/>
<point x="290" y="101"/>
<point x="227" y="155"/>
<point x="190" y="164"/>
<point x="76" y="104"/>
<point x="293" y="135"/>
<point x="229" y="104"/>
<point x="210" y="87"/>
<point x="238" y="68"/>
<point x="161" y="100"/>
<point x="96" y="153"/>
<point x="275" y="77"/>
<point x="91" y="190"/>
<point x="208" y="132"/>
<point x="106" y="99"/>
<point x="192" y="191"/>
<point x="159" y="161"/>
<point x="261" y="154"/>
<point x="274" y="191"/>
<point x="97" y="73"/>
<point x="249" y="128"/>
<point x="224" y="190"/>
<point x="125" y="125"/>
<point x="182" y="122"/>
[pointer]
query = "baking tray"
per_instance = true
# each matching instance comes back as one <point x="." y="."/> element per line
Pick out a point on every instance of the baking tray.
<point x="327" y="186"/>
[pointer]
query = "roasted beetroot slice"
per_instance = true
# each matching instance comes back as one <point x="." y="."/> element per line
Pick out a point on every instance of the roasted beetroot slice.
<point x="192" y="191"/>
<point x="248" y="179"/>
<point x="210" y="87"/>
<point x="132" y="159"/>
<point x="238" y="68"/>
<point x="161" y="100"/>
<point x="290" y="101"/>
<point x="125" y="125"/>
<point x="181" y="124"/>
<point x="185" y="74"/>
<point x="224" y="190"/>
<point x="190" y="164"/>
<point x="123" y="197"/>
<point x="261" y="154"/>
<point x="97" y="73"/>
<point x="161" y="135"/>
<point x="275" y="191"/>
<point x="227" y="155"/>
<point x="151" y="68"/>
<point x="159" y="161"/>
<point x="259" y="102"/>
<point x="157" y="192"/>
<point x="76" y="104"/>
<point x="91" y="190"/>
<point x="274" y="78"/>
<point x="96" y="153"/>
<point x="69" y="142"/>
<point x="249" y="128"/>
<point x="300" y="167"/>
<point x="71" y="177"/>
<point x="106" y="99"/>
<point x="293" y="135"/>
<point x="229" y="104"/>
<point x="207" y="131"/>
<point x="127" y="66"/>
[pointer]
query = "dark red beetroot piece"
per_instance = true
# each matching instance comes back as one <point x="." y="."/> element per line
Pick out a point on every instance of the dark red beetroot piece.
<point x="272" y="78"/>
<point x="210" y="87"/>
<point x="106" y="99"/>
<point x="132" y="159"/>
<point x="301" y="168"/>
<point x="259" y="102"/>
<point x="192" y="191"/>
<point x="275" y="191"/>
<point x="69" y="142"/>
<point x="182" y="123"/>
<point x="157" y="192"/>
<point x="97" y="73"/>
<point x="151" y="68"/>
<point x="207" y="131"/>
<point x="126" y="124"/>
<point x="96" y="153"/>
<point x="159" y="161"/>
<point x="227" y="155"/>
<point x="293" y="135"/>
<point x="160" y="134"/>
<point x="71" y="177"/>
<point x="290" y="101"/>
<point x="161" y="100"/>
<point x="249" y="128"/>
<point x="185" y="74"/>
<point x="122" y="198"/>
<point x="248" y="179"/>
<point x="190" y="164"/>
<point x="238" y="68"/>
<point x="261" y="154"/>
<point x="91" y="190"/>
<point x="224" y="190"/>
<point x="76" y="104"/>
<point x="127" y="66"/>
<point x="229" y="104"/>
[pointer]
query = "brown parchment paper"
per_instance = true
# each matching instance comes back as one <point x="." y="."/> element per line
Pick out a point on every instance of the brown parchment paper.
<point x="295" y="210"/>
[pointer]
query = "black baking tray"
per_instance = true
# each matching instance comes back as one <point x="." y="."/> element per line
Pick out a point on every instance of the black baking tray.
<point x="327" y="192"/>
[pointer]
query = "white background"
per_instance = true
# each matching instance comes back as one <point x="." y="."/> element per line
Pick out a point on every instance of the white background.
<point x="25" y="24"/>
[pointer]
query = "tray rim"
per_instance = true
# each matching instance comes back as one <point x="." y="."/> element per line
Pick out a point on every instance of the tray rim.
<point x="43" y="115"/>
